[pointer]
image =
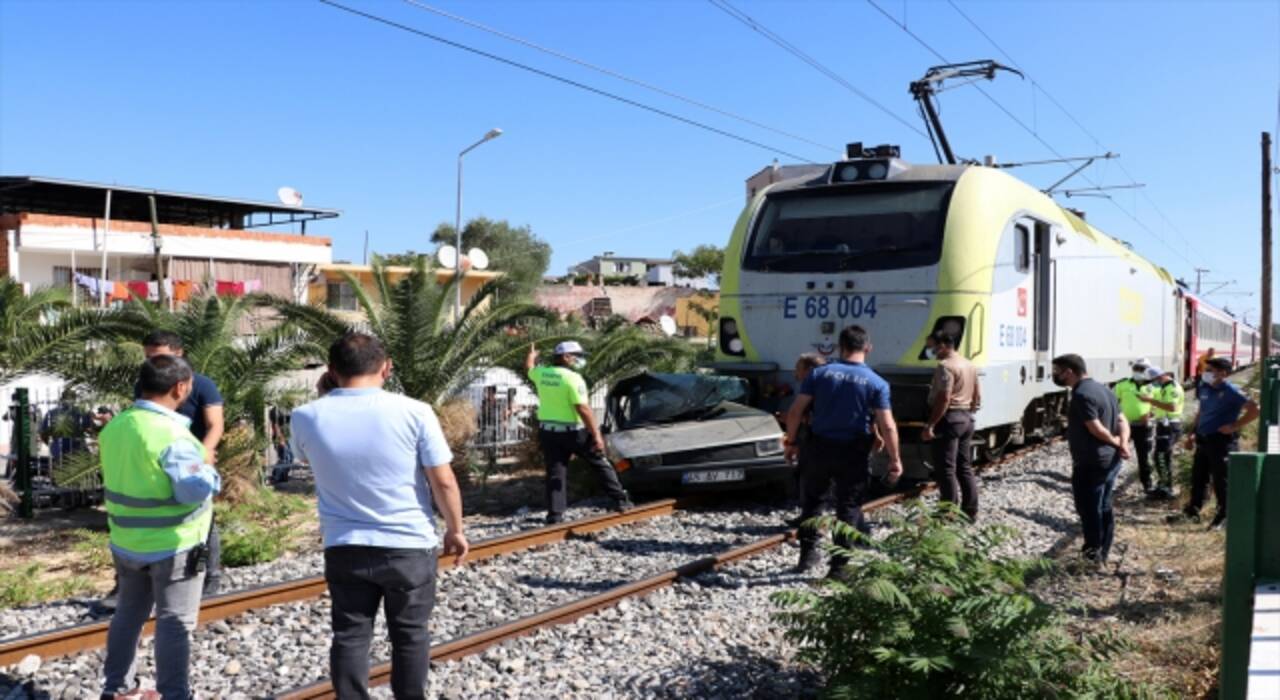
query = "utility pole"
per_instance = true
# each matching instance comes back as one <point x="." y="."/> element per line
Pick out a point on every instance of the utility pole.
<point x="1266" y="242"/>
<point x="156" y="244"/>
<point x="1199" y="274"/>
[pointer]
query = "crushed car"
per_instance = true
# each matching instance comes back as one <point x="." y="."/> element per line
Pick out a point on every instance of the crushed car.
<point x="671" y="432"/>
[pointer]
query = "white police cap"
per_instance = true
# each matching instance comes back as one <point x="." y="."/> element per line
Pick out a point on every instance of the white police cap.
<point x="569" y="347"/>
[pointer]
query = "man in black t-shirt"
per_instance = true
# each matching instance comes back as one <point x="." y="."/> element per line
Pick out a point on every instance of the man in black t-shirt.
<point x="1098" y="436"/>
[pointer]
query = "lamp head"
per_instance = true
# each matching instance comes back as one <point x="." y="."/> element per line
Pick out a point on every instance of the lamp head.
<point x="493" y="134"/>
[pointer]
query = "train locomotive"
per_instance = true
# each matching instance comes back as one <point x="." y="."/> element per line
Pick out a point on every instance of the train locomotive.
<point x="904" y="250"/>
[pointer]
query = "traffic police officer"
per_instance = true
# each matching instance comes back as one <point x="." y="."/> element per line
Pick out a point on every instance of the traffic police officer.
<point x="1167" y="402"/>
<point x="1134" y="393"/>
<point x="567" y="427"/>
<point x="158" y="489"/>
<point x="1224" y="410"/>
<point x="847" y="399"/>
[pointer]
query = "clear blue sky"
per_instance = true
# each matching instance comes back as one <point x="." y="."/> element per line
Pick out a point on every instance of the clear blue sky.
<point x="238" y="98"/>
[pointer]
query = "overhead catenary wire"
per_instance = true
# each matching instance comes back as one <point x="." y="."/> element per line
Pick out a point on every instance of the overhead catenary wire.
<point x="566" y="81"/>
<point x="614" y="74"/>
<point x="1036" y="85"/>
<point x="919" y="40"/>
<point x="655" y="222"/>
<point x="792" y="49"/>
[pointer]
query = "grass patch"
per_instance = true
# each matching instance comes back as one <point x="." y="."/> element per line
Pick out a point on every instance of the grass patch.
<point x="26" y="585"/>
<point x="93" y="548"/>
<point x="260" y="527"/>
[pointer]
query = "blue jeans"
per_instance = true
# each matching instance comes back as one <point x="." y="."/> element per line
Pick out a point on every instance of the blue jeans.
<point x="1093" y="487"/>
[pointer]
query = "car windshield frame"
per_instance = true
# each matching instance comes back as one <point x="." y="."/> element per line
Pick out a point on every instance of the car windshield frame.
<point x="687" y="397"/>
<point x="925" y="224"/>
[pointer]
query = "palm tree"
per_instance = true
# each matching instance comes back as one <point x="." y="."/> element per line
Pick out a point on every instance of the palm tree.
<point x="212" y="329"/>
<point x="434" y="359"/>
<point x="619" y="349"/>
<point x="38" y="328"/>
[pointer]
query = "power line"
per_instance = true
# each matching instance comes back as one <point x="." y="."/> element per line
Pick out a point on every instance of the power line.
<point x="792" y="49"/>
<point x="564" y="80"/>
<point x="1062" y="108"/>
<point x="655" y="222"/>
<point x="612" y="73"/>
<point x="1028" y="129"/>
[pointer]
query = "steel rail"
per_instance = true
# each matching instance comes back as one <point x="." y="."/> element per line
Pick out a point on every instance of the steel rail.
<point x="78" y="638"/>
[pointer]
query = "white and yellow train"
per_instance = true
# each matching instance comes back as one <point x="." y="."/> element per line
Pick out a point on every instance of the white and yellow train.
<point x="904" y="249"/>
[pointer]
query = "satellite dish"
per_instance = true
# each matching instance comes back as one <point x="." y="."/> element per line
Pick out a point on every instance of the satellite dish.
<point x="667" y="324"/>
<point x="447" y="256"/>
<point x="289" y="196"/>
<point x="478" y="258"/>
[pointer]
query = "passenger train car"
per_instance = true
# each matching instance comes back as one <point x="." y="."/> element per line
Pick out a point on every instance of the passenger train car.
<point x="906" y="249"/>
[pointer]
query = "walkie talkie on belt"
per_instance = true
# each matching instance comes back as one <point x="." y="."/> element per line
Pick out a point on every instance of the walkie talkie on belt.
<point x="197" y="559"/>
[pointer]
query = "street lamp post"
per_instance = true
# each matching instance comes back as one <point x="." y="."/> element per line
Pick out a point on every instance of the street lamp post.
<point x="457" y="226"/>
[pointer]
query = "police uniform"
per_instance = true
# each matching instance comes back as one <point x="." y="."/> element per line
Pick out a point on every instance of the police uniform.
<point x="1220" y="406"/>
<point x="1138" y="413"/>
<point x="158" y="492"/>
<point x="1168" y="430"/>
<point x="845" y="396"/>
<point x="562" y="435"/>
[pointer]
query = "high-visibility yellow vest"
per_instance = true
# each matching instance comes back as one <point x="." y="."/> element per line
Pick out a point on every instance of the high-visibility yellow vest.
<point x="1127" y="393"/>
<point x="142" y="512"/>
<point x="1170" y="393"/>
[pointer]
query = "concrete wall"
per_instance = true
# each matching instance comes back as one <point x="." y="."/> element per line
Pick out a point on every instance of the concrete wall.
<point x="632" y="303"/>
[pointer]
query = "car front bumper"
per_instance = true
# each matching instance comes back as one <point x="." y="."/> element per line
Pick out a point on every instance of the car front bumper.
<point x="671" y="476"/>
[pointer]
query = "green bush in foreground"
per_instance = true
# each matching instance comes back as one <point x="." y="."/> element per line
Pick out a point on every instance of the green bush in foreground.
<point x="933" y="611"/>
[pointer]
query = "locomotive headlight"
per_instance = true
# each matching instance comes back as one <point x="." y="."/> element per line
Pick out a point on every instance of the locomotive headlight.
<point x="730" y="340"/>
<point x="849" y="173"/>
<point x="877" y="171"/>
<point x="735" y="346"/>
<point x="729" y="327"/>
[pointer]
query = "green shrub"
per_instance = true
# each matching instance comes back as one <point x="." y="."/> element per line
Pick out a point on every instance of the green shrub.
<point x="259" y="527"/>
<point x="24" y="586"/>
<point x="935" y="610"/>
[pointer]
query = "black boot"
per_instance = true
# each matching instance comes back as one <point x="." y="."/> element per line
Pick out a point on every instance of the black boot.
<point x="810" y="559"/>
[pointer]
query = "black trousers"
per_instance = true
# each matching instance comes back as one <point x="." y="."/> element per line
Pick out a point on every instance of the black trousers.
<point x="403" y="583"/>
<point x="844" y="463"/>
<point x="1143" y="435"/>
<point x="953" y="461"/>
<point x="1167" y="435"/>
<point x="557" y="449"/>
<point x="1210" y="465"/>
<point x="1093" y="488"/>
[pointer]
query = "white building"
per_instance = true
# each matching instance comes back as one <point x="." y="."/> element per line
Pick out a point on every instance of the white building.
<point x="51" y="228"/>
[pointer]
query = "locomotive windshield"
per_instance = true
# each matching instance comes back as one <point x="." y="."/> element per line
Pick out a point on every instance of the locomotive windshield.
<point x="850" y="228"/>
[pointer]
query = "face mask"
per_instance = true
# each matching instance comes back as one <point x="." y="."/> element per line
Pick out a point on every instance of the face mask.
<point x="579" y="363"/>
<point x="1211" y="377"/>
<point x="931" y="353"/>
<point x="1057" y="379"/>
<point x="1139" y="376"/>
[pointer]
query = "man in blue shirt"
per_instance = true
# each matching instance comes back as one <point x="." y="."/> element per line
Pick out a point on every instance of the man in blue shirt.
<point x="849" y="404"/>
<point x="1224" y="410"/>
<point x="379" y="460"/>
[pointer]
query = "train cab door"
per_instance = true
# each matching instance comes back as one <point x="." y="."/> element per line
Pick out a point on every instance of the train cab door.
<point x="1042" y="327"/>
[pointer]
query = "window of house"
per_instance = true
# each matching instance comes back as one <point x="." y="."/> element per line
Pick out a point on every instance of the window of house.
<point x="340" y="296"/>
<point x="623" y="266"/>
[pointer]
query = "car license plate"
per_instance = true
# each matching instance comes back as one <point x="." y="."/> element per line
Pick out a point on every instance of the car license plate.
<point x="714" y="476"/>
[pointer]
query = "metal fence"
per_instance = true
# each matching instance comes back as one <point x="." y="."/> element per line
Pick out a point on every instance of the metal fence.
<point x="51" y="453"/>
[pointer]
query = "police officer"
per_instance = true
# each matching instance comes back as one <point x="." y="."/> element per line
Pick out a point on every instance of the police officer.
<point x="805" y="364"/>
<point x="1167" y="402"/>
<point x="158" y="487"/>
<point x="567" y="427"/>
<point x="1224" y="410"/>
<point x="847" y="399"/>
<point x="1134" y="393"/>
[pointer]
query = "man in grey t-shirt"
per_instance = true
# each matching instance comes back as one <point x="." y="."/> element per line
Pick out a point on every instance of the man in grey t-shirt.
<point x="1098" y="436"/>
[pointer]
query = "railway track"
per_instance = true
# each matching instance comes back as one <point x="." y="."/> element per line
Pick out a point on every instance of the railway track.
<point x="477" y="642"/>
<point x="71" y="640"/>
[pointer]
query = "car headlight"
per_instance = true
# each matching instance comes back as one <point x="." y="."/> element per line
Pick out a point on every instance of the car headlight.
<point x="772" y="446"/>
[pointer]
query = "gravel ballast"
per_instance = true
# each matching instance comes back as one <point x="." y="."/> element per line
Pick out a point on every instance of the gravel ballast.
<point x="712" y="636"/>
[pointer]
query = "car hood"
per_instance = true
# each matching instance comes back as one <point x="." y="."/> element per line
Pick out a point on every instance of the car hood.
<point x="737" y="424"/>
